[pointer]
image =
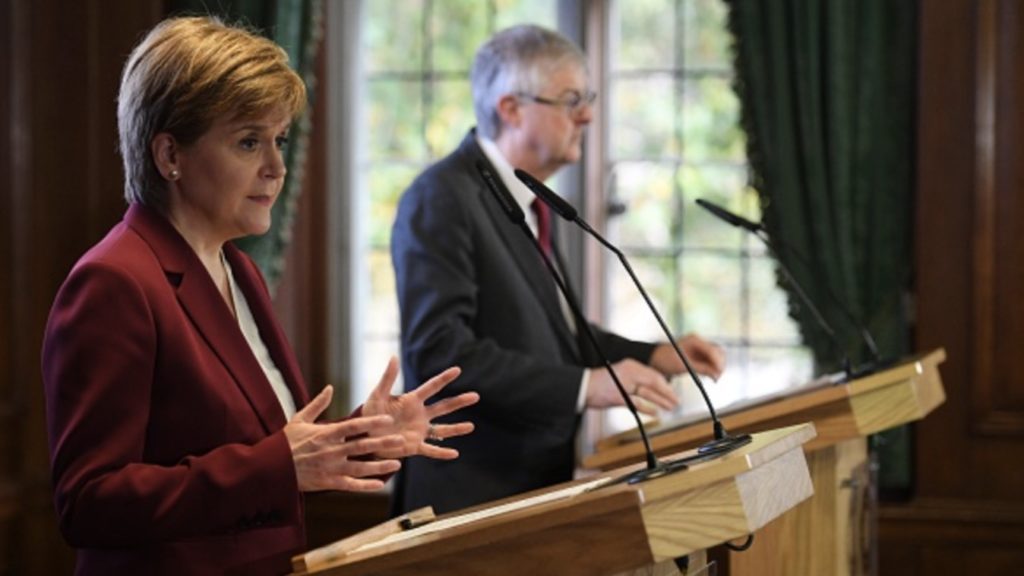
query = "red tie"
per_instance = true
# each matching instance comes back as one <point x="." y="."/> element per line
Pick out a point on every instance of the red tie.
<point x="543" y="213"/>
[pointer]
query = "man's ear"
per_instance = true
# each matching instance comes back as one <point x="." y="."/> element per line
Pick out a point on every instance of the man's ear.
<point x="509" y="110"/>
<point x="164" y="149"/>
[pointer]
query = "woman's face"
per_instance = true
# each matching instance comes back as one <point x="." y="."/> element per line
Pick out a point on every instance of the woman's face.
<point x="230" y="178"/>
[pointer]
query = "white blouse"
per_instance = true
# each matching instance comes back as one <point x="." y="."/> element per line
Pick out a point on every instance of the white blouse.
<point x="252" y="335"/>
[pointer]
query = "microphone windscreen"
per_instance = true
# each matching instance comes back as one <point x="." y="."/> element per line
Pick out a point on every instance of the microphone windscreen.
<point x="556" y="202"/>
<point x="727" y="216"/>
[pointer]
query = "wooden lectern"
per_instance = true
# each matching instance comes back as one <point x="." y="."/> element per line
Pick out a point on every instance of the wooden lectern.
<point x="827" y="534"/>
<point x="595" y="526"/>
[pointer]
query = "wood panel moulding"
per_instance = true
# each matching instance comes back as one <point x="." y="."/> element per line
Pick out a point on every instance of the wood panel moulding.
<point x="997" y="389"/>
<point x="955" y="522"/>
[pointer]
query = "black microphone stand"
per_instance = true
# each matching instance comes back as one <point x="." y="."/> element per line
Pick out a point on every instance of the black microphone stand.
<point x="758" y="230"/>
<point x="654" y="469"/>
<point x="722" y="442"/>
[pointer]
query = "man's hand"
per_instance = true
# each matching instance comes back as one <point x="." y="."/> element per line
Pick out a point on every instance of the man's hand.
<point x="705" y="357"/>
<point x="640" y="381"/>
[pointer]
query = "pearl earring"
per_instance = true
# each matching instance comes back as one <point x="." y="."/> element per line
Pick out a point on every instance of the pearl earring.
<point x="173" y="175"/>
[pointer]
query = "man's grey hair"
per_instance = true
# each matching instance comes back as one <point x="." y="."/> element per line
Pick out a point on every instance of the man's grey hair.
<point x="516" y="59"/>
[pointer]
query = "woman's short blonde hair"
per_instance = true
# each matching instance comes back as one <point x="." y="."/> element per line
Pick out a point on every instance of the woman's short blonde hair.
<point x="186" y="73"/>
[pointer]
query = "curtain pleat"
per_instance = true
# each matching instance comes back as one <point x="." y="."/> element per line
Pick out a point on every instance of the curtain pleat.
<point x="827" y="90"/>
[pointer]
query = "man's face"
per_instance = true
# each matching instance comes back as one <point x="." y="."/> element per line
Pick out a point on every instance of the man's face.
<point x="551" y="130"/>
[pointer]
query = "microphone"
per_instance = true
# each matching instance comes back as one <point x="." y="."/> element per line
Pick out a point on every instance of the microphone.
<point x="734" y="219"/>
<point x="515" y="215"/>
<point x="722" y="441"/>
<point x="758" y="230"/>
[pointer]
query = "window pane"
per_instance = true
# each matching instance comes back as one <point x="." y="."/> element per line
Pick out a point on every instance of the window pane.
<point x="386" y="183"/>
<point x="458" y="27"/>
<point x="711" y="288"/>
<point x="721" y="184"/>
<point x="644" y="117"/>
<point x="394" y="38"/>
<point x="705" y="43"/>
<point x="711" y="121"/>
<point x="769" y="311"/>
<point x="646" y="189"/>
<point x="377" y="351"/>
<point x="630" y="315"/>
<point x="674" y="116"/>
<point x="383" y="312"/>
<point x="451" y="116"/>
<point x="395" y="120"/>
<point x="779" y="368"/>
<point x="511" y="12"/>
<point x="645" y="33"/>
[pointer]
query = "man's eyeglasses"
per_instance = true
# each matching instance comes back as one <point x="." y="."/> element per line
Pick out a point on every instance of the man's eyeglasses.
<point x="572" y="102"/>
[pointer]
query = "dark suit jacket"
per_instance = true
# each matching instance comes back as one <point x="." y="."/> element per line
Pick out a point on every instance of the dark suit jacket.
<point x="474" y="292"/>
<point x="166" y="438"/>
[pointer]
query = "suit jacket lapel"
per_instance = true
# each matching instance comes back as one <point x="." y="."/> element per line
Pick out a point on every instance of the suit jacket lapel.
<point x="203" y="303"/>
<point x="523" y="251"/>
<point x="252" y="285"/>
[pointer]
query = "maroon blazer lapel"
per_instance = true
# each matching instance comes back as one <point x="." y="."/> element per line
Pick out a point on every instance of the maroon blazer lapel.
<point x="212" y="318"/>
<point x="250" y="281"/>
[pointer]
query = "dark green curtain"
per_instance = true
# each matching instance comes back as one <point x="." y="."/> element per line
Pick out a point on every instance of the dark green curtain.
<point x="827" y="90"/>
<point x="297" y="25"/>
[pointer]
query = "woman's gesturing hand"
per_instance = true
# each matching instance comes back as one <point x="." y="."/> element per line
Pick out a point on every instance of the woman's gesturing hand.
<point x="325" y="454"/>
<point x="411" y="416"/>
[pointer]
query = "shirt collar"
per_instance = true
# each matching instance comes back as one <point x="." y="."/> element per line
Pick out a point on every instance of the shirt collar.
<point x="522" y="195"/>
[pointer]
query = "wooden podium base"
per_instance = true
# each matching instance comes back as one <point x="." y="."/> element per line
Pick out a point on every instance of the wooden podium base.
<point x="824" y="534"/>
<point x="698" y="566"/>
<point x="827" y="534"/>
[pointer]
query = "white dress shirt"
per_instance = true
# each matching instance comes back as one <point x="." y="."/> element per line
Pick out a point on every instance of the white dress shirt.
<point x="252" y="335"/>
<point x="524" y="197"/>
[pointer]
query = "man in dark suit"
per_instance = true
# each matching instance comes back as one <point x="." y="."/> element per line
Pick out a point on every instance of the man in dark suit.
<point x="474" y="292"/>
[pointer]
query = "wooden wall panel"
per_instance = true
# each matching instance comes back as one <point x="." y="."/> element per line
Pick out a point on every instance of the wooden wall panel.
<point x="9" y="486"/>
<point x="999" y="402"/>
<point x="967" y="513"/>
<point x="62" y="191"/>
<point x="7" y="408"/>
<point x="942" y="253"/>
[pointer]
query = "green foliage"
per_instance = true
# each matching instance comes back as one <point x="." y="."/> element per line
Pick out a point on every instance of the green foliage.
<point x="395" y="120"/>
<point x="711" y="121"/>
<point x="418" y="101"/>
<point x="386" y="185"/>
<point x="457" y="28"/>
<point x="706" y="42"/>
<point x="647" y="35"/>
<point x="393" y="36"/>
<point x="723" y="184"/>
<point x="450" y="118"/>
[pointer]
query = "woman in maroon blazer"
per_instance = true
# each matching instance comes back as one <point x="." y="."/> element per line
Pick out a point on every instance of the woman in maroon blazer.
<point x="181" y="434"/>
